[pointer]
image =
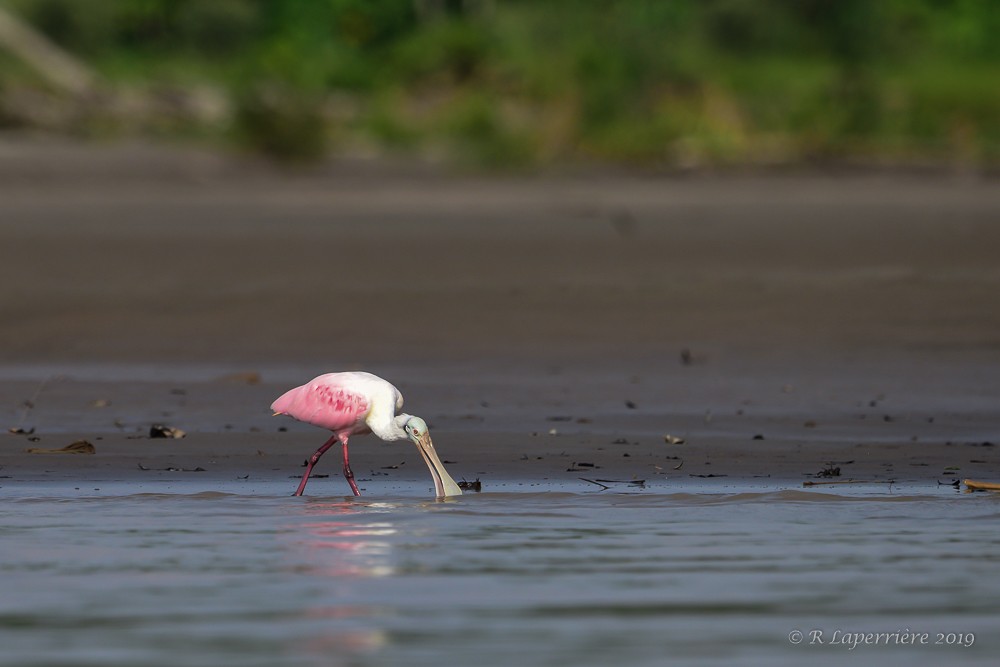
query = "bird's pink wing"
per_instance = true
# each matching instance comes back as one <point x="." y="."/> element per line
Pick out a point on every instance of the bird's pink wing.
<point x="323" y="403"/>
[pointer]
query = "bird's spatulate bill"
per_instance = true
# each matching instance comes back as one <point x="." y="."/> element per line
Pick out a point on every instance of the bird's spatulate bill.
<point x="444" y="485"/>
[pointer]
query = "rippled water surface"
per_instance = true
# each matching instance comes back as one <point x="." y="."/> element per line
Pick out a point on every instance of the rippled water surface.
<point x="495" y="579"/>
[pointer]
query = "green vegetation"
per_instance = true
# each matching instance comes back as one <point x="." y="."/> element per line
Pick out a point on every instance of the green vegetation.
<point x="516" y="83"/>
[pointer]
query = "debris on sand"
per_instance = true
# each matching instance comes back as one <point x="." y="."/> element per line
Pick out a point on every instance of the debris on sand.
<point x="77" y="447"/>
<point x="17" y="430"/>
<point x="630" y="482"/>
<point x="691" y="358"/>
<point x="161" y="431"/>
<point x="829" y="471"/>
<point x="852" y="481"/>
<point x="476" y="486"/>
<point x="672" y="439"/>
<point x="171" y="469"/>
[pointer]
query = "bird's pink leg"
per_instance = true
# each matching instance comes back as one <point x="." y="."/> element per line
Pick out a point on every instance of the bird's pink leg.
<point x="348" y="473"/>
<point x="312" y="461"/>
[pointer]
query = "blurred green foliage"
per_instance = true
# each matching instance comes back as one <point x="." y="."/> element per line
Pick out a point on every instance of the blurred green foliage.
<point x="511" y="83"/>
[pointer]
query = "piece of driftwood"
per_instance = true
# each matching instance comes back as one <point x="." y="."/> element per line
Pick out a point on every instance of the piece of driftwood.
<point x="981" y="486"/>
<point x="78" y="447"/>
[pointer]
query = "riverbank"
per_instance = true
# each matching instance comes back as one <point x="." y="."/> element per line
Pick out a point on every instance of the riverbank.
<point x="841" y="318"/>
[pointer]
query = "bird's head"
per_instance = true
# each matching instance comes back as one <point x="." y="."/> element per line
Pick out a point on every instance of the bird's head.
<point x="416" y="430"/>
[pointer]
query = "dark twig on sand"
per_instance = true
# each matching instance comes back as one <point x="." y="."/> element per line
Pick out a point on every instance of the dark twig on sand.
<point x="603" y="483"/>
<point x="630" y="482"/>
<point x="28" y="406"/>
<point x="851" y="481"/>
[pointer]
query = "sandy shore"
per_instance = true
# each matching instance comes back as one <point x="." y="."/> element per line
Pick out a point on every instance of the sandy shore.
<point x="547" y="432"/>
<point x="846" y="319"/>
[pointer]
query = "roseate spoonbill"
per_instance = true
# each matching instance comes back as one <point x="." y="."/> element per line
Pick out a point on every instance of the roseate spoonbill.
<point x="355" y="403"/>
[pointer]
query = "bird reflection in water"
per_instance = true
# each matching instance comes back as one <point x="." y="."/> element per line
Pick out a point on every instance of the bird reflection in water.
<point x="343" y="541"/>
<point x="344" y="544"/>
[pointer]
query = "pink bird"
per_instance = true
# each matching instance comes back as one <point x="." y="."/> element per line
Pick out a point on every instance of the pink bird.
<point x="356" y="403"/>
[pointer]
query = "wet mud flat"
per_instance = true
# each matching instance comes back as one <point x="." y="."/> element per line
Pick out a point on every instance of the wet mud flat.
<point x="547" y="328"/>
<point x="574" y="430"/>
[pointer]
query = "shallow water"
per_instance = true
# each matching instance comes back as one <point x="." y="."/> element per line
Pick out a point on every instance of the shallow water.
<point x="539" y="578"/>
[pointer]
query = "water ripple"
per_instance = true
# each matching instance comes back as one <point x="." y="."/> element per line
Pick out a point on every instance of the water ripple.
<point x="587" y="579"/>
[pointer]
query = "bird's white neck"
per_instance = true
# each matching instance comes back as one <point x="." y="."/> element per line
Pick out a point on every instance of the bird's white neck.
<point x="386" y="426"/>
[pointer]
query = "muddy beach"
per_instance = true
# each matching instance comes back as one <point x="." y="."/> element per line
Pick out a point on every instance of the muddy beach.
<point x="548" y="329"/>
